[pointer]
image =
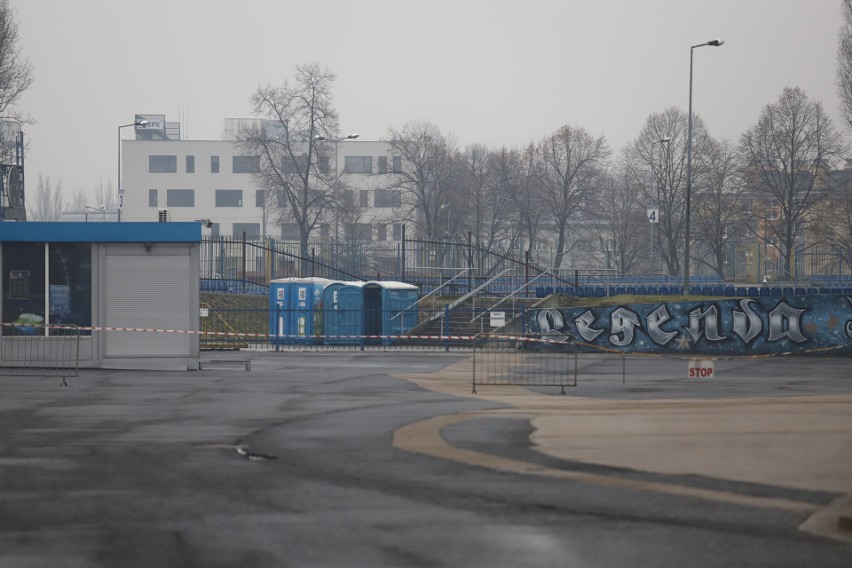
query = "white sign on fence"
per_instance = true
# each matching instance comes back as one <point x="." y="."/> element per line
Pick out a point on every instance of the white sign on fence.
<point x="498" y="319"/>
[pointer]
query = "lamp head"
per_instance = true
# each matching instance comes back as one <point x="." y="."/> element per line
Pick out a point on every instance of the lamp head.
<point x="353" y="136"/>
<point x="142" y="122"/>
<point x="319" y="137"/>
<point x="716" y="42"/>
<point x="665" y="140"/>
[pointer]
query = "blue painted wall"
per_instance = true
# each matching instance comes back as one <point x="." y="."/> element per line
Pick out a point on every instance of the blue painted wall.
<point x="44" y="232"/>
<point x="745" y="326"/>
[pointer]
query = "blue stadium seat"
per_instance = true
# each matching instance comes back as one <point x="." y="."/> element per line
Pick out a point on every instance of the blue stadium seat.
<point x="775" y="291"/>
<point x="718" y="291"/>
<point x="653" y="291"/>
<point x="753" y="292"/>
<point x="787" y="292"/>
<point x="642" y="290"/>
<point x="706" y="291"/>
<point x="812" y="292"/>
<point x="539" y="292"/>
<point x="741" y="291"/>
<point x="632" y="290"/>
<point x="730" y="291"/>
<point x="560" y="290"/>
<point x="695" y="291"/>
<point x="799" y="292"/>
<point x="764" y="292"/>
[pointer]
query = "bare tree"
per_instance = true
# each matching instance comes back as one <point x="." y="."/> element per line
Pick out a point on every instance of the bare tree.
<point x="567" y="167"/>
<point x="429" y="176"/>
<point x="15" y="70"/>
<point x="47" y="205"/>
<point x="15" y="76"/>
<point x="659" y="163"/>
<point x="494" y="221"/>
<point x="787" y="156"/>
<point x="844" y="61"/>
<point x="617" y="214"/>
<point x="516" y="178"/>
<point x="105" y="196"/>
<point x="288" y="162"/>
<point x="718" y="212"/>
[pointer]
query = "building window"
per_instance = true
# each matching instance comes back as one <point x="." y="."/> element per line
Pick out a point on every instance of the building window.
<point x="214" y="164"/>
<point x="290" y="231"/>
<point x="252" y="230"/>
<point x="364" y="198"/>
<point x="382" y="232"/>
<point x="361" y="232"/>
<point x="397" y="231"/>
<point x="162" y="164"/>
<point x="190" y="164"/>
<point x="397" y="164"/>
<point x="246" y="164"/>
<point x="229" y="198"/>
<point x="214" y="230"/>
<point x="69" y="290"/>
<point x="358" y="165"/>
<point x="292" y="165"/>
<point x="152" y="198"/>
<point x="259" y="198"/>
<point x="180" y="198"/>
<point x="383" y="164"/>
<point x="324" y="165"/>
<point x="388" y="198"/>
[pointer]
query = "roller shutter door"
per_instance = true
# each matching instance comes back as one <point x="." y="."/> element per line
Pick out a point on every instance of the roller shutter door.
<point x="150" y="291"/>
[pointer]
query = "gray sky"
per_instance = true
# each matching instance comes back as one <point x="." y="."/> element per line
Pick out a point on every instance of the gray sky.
<point x="496" y="72"/>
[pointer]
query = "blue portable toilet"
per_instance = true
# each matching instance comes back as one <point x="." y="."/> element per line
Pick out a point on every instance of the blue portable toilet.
<point x="389" y="309"/>
<point x="295" y="310"/>
<point x="343" y="305"/>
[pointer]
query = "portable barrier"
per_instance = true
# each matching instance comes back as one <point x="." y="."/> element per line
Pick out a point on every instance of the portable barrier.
<point x="39" y="350"/>
<point x="526" y="361"/>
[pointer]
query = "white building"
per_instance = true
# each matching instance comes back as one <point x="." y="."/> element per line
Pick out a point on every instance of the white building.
<point x="169" y="179"/>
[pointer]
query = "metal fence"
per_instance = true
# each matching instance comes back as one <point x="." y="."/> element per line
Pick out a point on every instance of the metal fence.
<point x="39" y="350"/>
<point x="527" y="361"/>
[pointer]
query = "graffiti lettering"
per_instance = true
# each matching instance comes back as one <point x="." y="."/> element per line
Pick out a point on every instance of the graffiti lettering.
<point x="584" y="326"/>
<point x="735" y="326"/>
<point x="654" y="320"/>
<point x="784" y="313"/>
<point x="747" y="324"/>
<point x="710" y="317"/>
<point x="623" y="321"/>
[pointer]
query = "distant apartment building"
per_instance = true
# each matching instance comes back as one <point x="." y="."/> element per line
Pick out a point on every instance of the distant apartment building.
<point x="166" y="178"/>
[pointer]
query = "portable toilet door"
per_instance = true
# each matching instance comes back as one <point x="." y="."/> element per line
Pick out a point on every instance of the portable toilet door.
<point x="372" y="293"/>
<point x="344" y="313"/>
<point x="388" y="309"/>
<point x="399" y="308"/>
<point x="278" y="310"/>
<point x="305" y="325"/>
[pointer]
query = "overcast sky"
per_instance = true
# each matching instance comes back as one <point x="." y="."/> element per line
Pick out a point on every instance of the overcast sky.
<point x="496" y="72"/>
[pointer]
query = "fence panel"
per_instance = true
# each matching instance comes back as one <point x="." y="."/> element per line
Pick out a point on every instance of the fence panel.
<point x="39" y="350"/>
<point x="523" y="361"/>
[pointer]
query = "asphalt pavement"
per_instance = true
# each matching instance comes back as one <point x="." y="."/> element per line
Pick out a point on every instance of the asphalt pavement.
<point x="388" y="459"/>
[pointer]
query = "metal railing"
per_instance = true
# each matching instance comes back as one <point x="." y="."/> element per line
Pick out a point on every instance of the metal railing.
<point x="39" y="350"/>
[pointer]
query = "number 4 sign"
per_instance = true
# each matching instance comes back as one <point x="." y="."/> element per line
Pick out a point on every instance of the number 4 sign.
<point x="654" y="214"/>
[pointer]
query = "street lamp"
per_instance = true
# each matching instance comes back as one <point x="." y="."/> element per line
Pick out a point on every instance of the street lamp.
<point x="352" y="136"/>
<point x="138" y="122"/>
<point x="714" y="43"/>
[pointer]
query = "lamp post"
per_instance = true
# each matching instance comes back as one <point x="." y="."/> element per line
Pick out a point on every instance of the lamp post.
<point x="337" y="174"/>
<point x="714" y="43"/>
<point x="141" y="122"/>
